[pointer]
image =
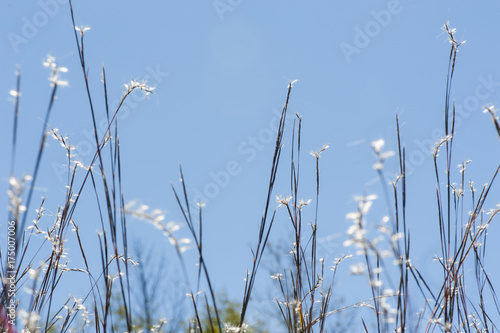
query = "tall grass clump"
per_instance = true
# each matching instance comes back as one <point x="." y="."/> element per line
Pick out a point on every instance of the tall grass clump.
<point x="39" y="261"/>
<point x="34" y="254"/>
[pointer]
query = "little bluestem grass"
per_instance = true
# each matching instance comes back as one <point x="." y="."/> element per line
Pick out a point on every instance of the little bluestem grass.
<point x="306" y="300"/>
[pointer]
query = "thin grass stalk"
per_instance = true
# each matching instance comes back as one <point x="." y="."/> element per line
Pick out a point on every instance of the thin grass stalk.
<point x="111" y="208"/>
<point x="198" y="321"/>
<point x="38" y="160"/>
<point x="14" y="131"/>
<point x="198" y="239"/>
<point x="263" y="233"/>
<point x="445" y="299"/>
<point x="299" y="255"/>
<point x="12" y="216"/>
<point x="404" y="258"/>
<point x="209" y="315"/>
<point x="87" y="268"/>
<point x="448" y="133"/>
<point x="123" y="224"/>
<point x="491" y="111"/>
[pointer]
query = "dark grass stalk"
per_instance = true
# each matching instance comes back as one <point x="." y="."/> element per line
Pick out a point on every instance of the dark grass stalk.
<point x="12" y="216"/>
<point x="397" y="215"/>
<point x="95" y="286"/>
<point x="106" y="308"/>
<point x="196" y="314"/>
<point x="104" y="252"/>
<point x="296" y="218"/>
<point x="265" y="225"/>
<point x="442" y="231"/>
<point x="209" y="314"/>
<point x="450" y="272"/>
<point x="366" y="255"/>
<point x="21" y="225"/>
<point x="400" y="251"/>
<point x="103" y="246"/>
<point x="198" y="239"/>
<point x="92" y="281"/>
<point x="406" y="290"/>
<point x="326" y="299"/>
<point x="51" y="279"/>
<point x="404" y="258"/>
<point x="14" y="129"/>
<point x="109" y="189"/>
<point x="491" y="111"/>
<point x="305" y="297"/>
<point x="482" y="277"/>
<point x="445" y="299"/>
<point x="325" y="302"/>
<point x="364" y="325"/>
<point x="38" y="160"/>
<point x="57" y="236"/>
<point x="284" y="308"/>
<point x="448" y="133"/>
<point x="90" y="173"/>
<point x="123" y="227"/>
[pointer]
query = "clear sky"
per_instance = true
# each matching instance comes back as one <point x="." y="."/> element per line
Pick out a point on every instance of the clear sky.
<point x="221" y="69"/>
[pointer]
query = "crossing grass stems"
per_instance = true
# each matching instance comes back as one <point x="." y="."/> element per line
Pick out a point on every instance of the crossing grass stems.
<point x="306" y="286"/>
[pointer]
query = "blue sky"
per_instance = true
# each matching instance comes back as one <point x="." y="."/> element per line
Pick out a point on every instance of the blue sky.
<point x="221" y="69"/>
